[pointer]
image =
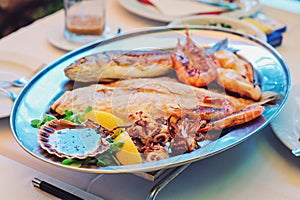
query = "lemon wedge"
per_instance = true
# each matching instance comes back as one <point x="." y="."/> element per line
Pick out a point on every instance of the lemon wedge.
<point x="128" y="153"/>
<point x="105" y="119"/>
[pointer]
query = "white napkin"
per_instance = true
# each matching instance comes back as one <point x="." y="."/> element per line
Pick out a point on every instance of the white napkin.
<point x="178" y="8"/>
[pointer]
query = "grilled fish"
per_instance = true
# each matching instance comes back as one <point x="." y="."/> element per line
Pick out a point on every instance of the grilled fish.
<point x="155" y="97"/>
<point x="120" y="64"/>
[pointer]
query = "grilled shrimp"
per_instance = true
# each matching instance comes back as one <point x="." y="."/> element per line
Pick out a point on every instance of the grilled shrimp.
<point x="235" y="82"/>
<point x="236" y="75"/>
<point x="192" y="65"/>
<point x="229" y="60"/>
<point x="237" y="118"/>
<point x="213" y="109"/>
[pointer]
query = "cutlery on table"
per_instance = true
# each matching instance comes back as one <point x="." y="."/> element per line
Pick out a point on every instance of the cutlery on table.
<point x="9" y="93"/>
<point x="62" y="190"/>
<point x="51" y="189"/>
<point x="22" y="81"/>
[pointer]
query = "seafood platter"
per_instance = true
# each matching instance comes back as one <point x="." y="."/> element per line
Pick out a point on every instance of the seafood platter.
<point x="149" y="100"/>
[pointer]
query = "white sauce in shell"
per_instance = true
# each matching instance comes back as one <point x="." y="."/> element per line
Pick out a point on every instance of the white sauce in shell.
<point x="75" y="142"/>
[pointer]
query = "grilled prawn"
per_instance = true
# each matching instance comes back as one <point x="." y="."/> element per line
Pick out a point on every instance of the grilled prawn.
<point x="199" y="66"/>
<point x="236" y="75"/>
<point x="240" y="117"/>
<point x="192" y="65"/>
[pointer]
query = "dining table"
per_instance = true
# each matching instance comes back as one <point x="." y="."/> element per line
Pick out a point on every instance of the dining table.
<point x="261" y="167"/>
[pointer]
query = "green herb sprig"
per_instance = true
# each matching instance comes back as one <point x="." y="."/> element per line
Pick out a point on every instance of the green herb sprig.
<point x="69" y="115"/>
<point x="37" y="123"/>
<point x="76" y="118"/>
<point x="105" y="159"/>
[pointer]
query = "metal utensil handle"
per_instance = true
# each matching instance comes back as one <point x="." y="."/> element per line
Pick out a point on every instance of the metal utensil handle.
<point x="32" y="73"/>
<point x="9" y="94"/>
<point x="165" y="181"/>
<point x="22" y="81"/>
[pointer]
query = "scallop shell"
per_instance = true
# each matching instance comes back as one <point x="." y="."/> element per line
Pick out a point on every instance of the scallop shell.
<point x="66" y="139"/>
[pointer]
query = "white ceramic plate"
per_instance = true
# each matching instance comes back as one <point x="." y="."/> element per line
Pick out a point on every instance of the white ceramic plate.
<point x="249" y="7"/>
<point x="287" y="123"/>
<point x="221" y="22"/>
<point x="13" y="66"/>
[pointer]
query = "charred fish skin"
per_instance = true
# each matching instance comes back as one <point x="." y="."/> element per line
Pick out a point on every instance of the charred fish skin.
<point x="120" y="64"/>
<point x="156" y="97"/>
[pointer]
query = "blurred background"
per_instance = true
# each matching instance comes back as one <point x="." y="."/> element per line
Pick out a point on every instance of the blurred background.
<point x="17" y="13"/>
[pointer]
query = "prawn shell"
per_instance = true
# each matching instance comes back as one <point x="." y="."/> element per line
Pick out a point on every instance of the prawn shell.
<point x="66" y="139"/>
<point x="193" y="65"/>
<point x="234" y="82"/>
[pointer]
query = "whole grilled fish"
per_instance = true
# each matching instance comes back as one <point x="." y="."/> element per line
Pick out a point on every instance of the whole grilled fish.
<point x="155" y="97"/>
<point x="120" y="64"/>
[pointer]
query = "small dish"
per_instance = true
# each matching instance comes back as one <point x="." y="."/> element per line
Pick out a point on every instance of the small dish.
<point x="220" y="22"/>
<point x="56" y="38"/>
<point x="248" y="8"/>
<point x="286" y="125"/>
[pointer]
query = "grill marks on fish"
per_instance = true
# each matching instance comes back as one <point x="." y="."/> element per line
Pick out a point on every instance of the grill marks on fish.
<point x="193" y="64"/>
<point x="155" y="97"/>
<point x="108" y="65"/>
<point x="141" y="57"/>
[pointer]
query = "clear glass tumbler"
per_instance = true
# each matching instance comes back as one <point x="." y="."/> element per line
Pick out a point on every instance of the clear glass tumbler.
<point x="84" y="20"/>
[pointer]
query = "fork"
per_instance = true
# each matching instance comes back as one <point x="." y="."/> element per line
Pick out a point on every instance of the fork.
<point x="22" y="81"/>
<point x="16" y="83"/>
<point x="8" y="93"/>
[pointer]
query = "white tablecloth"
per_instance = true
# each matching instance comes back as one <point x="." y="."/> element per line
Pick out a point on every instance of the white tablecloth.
<point x="16" y="178"/>
<point x="259" y="168"/>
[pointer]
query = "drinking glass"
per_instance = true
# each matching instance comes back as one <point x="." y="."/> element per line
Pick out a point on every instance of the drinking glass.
<point x="84" y="20"/>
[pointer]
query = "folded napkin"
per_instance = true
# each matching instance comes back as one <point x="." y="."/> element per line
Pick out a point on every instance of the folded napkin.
<point x="178" y="8"/>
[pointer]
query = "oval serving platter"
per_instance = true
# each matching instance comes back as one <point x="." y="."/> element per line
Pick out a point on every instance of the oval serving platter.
<point x="48" y="85"/>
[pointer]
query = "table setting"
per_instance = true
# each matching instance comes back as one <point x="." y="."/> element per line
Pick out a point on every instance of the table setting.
<point x="248" y="156"/>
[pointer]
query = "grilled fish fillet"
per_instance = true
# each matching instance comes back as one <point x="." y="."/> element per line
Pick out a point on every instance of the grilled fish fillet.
<point x="154" y="97"/>
<point x="109" y="65"/>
